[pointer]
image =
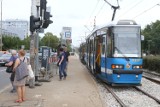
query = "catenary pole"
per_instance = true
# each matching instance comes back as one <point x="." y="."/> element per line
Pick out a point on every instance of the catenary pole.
<point x="1" y="44"/>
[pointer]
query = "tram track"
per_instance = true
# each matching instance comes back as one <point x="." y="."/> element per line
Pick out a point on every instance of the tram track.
<point x="152" y="73"/>
<point x="109" y="90"/>
<point x="115" y="96"/>
<point x="149" y="95"/>
<point x="152" y="79"/>
<point x="120" y="99"/>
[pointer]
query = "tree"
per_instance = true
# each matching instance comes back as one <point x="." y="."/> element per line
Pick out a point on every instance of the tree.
<point x="152" y="38"/>
<point x="50" y="40"/>
<point x="26" y="42"/>
<point x="10" y="42"/>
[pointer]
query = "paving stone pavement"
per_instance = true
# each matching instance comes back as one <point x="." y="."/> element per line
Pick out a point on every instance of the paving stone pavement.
<point x="78" y="90"/>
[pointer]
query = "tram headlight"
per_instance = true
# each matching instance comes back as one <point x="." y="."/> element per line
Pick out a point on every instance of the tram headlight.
<point x="116" y="66"/>
<point x="137" y="66"/>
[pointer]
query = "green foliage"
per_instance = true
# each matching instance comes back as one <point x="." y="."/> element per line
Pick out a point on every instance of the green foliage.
<point x="26" y="43"/>
<point x="151" y="33"/>
<point x="11" y="42"/>
<point x="152" y="63"/>
<point x="50" y="40"/>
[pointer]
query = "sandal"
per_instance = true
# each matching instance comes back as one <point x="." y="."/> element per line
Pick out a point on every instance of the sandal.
<point x="23" y="99"/>
<point x="18" y="101"/>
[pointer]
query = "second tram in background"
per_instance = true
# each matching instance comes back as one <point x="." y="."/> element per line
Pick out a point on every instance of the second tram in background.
<point x="113" y="53"/>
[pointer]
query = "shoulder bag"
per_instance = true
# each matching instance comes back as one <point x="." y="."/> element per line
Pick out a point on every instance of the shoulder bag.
<point x="21" y="71"/>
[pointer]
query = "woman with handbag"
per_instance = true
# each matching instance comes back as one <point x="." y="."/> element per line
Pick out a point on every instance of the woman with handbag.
<point x="20" y="83"/>
<point x="11" y="64"/>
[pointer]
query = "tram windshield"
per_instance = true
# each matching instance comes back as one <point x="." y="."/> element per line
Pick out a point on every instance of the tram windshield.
<point x="128" y="44"/>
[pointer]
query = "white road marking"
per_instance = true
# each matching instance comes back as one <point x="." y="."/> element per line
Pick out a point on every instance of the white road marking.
<point x="2" y="69"/>
<point x="5" y="88"/>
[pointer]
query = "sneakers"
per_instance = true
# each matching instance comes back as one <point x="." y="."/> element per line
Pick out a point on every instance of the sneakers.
<point x="13" y="91"/>
<point x="64" y="78"/>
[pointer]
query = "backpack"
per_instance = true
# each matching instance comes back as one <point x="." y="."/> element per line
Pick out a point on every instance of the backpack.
<point x="21" y="70"/>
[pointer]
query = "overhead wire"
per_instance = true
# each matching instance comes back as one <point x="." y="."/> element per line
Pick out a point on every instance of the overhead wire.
<point x="131" y="8"/>
<point x="146" y="10"/>
<point x="93" y="11"/>
<point x="100" y="9"/>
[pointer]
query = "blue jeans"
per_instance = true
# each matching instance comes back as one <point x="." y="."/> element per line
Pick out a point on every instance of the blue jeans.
<point x="62" y="70"/>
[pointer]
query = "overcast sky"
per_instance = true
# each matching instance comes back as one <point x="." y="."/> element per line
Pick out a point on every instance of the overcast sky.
<point x="80" y="13"/>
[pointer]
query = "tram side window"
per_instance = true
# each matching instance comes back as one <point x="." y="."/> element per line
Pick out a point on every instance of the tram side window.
<point x="87" y="46"/>
<point x="103" y="46"/>
<point x="90" y="46"/>
<point x="109" y="45"/>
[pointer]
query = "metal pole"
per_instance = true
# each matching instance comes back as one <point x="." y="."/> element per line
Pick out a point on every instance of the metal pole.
<point x="1" y="28"/>
<point x="37" y="49"/>
<point x="32" y="48"/>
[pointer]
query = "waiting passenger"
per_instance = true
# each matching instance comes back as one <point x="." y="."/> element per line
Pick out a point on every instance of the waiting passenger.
<point x="11" y="63"/>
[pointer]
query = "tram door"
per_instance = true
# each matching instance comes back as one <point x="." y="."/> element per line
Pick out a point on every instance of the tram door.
<point x="88" y="46"/>
<point x="98" y="55"/>
<point x="90" y="53"/>
<point x="103" y="55"/>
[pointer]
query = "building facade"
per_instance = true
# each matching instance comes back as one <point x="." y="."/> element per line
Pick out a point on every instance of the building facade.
<point x="6" y="32"/>
<point x="16" y="27"/>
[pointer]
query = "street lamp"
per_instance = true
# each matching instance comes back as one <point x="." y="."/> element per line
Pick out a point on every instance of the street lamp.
<point x="1" y="29"/>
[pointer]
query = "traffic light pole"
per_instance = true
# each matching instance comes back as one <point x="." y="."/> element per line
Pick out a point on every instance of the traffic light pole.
<point x="32" y="46"/>
<point x="37" y="21"/>
<point x="32" y="58"/>
<point x="36" y="52"/>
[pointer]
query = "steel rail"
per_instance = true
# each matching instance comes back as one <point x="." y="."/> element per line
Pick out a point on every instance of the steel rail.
<point x="115" y="96"/>
<point x="151" y="79"/>
<point x="156" y="74"/>
<point x="109" y="89"/>
<point x="149" y="95"/>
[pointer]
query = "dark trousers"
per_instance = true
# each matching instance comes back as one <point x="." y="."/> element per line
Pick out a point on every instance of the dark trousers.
<point x="12" y="80"/>
<point x="62" y="71"/>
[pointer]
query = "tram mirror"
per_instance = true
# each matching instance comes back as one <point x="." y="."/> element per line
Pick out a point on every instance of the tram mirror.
<point x="142" y="38"/>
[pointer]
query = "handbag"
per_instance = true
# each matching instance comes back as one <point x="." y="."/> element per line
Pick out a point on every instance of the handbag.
<point x="9" y="69"/>
<point x="30" y="71"/>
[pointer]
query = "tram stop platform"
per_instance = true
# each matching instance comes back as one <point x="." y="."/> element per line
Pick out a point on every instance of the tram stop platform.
<point x="78" y="90"/>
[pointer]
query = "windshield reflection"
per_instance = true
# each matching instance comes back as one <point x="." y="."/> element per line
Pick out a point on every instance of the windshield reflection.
<point x="128" y="44"/>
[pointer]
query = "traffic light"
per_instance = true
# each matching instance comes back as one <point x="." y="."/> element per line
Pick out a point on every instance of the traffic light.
<point x="35" y="23"/>
<point x="47" y="20"/>
<point x="43" y="4"/>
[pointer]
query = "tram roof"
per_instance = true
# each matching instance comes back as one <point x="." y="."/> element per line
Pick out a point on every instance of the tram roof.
<point x="114" y="23"/>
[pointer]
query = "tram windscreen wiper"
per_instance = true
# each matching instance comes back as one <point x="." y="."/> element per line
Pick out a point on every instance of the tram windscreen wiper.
<point x="119" y="51"/>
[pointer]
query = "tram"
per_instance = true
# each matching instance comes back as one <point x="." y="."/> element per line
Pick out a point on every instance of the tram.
<point x="113" y="53"/>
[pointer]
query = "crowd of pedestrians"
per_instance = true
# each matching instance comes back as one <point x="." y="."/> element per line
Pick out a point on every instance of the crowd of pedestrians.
<point x="17" y="59"/>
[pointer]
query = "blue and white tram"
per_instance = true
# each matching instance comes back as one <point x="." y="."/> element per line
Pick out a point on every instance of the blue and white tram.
<point x="113" y="53"/>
